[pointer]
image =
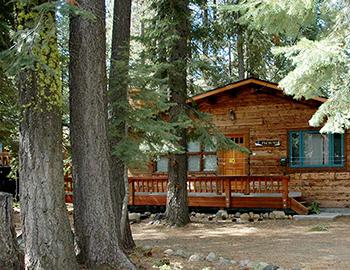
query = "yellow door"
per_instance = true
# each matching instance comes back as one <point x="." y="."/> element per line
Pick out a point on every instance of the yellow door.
<point x="232" y="162"/>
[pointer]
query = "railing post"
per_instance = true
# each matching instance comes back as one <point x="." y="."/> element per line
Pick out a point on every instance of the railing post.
<point x="227" y="193"/>
<point x="285" y="192"/>
<point x="131" y="192"/>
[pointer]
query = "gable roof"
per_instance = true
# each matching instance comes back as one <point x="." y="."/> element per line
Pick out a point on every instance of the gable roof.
<point x="245" y="82"/>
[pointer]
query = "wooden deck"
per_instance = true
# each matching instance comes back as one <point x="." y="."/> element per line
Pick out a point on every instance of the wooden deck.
<point x="5" y="159"/>
<point x="220" y="191"/>
<point x="214" y="191"/>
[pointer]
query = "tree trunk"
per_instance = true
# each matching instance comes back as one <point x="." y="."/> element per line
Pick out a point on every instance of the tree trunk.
<point x="46" y="229"/>
<point x="94" y="218"/>
<point x="118" y="91"/>
<point x="10" y="256"/>
<point x="177" y="201"/>
<point x="240" y="53"/>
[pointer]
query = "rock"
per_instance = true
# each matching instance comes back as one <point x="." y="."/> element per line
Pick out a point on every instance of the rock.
<point x="237" y="215"/>
<point x="195" y="258"/>
<point x="198" y="215"/>
<point x="265" y="215"/>
<point x="260" y="266"/>
<point x="233" y="262"/>
<point x="245" y="217"/>
<point x="210" y="218"/>
<point x="193" y="214"/>
<point x="222" y="214"/>
<point x="256" y="217"/>
<point x="251" y="214"/>
<point x="223" y="261"/>
<point x="161" y="262"/>
<point x="169" y="252"/>
<point x="159" y="216"/>
<point x="211" y="257"/>
<point x="279" y="215"/>
<point x="290" y="217"/>
<point x="135" y="217"/>
<point x="180" y="253"/>
<point x="153" y="216"/>
<point x="271" y="267"/>
<point x="145" y="215"/>
<point x="244" y="263"/>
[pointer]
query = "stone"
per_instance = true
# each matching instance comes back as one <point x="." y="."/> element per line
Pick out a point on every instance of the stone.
<point x="153" y="216"/>
<point x="279" y="215"/>
<point x="265" y="215"/>
<point x="159" y="216"/>
<point x="195" y="258"/>
<point x="180" y="253"/>
<point x="243" y="263"/>
<point x="135" y="217"/>
<point x="169" y="252"/>
<point x="233" y="262"/>
<point x="260" y="266"/>
<point x="211" y="257"/>
<point x="237" y="215"/>
<point x="222" y="214"/>
<point x="256" y="217"/>
<point x="193" y="214"/>
<point x="245" y="217"/>
<point x="198" y="215"/>
<point x="251" y="214"/>
<point x="223" y="261"/>
<point x="271" y="267"/>
<point x="145" y="215"/>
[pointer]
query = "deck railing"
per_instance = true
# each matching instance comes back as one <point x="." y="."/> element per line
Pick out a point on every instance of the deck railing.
<point x="219" y="185"/>
<point x="5" y="159"/>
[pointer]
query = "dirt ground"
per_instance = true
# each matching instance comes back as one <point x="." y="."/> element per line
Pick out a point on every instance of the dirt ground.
<point x="286" y="243"/>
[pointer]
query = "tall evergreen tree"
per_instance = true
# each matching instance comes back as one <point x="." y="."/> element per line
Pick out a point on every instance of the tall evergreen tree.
<point x="46" y="230"/>
<point x="177" y="201"/>
<point x="94" y="218"/>
<point x="118" y="93"/>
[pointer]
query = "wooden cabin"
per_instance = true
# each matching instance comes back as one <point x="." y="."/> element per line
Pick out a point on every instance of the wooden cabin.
<point x="290" y="161"/>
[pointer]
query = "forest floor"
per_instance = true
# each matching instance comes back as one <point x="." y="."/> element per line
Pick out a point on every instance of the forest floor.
<point x="287" y="243"/>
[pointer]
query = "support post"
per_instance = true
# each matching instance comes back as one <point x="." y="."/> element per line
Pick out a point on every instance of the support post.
<point x="285" y="192"/>
<point x="227" y="193"/>
<point x="131" y="192"/>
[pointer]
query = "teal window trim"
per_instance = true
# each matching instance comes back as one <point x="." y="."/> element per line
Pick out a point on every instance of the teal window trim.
<point x="331" y="151"/>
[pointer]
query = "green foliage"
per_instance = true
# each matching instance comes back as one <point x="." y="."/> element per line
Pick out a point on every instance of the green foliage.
<point x="314" y="208"/>
<point x="319" y="228"/>
<point x="320" y="59"/>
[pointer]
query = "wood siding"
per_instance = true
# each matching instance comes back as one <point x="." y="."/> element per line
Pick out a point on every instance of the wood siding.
<point x="268" y="115"/>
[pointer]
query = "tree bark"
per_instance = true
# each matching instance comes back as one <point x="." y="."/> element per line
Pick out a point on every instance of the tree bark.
<point x="240" y="53"/>
<point x="10" y="256"/>
<point x="177" y="200"/>
<point x="46" y="229"/>
<point x="118" y="93"/>
<point x="94" y="218"/>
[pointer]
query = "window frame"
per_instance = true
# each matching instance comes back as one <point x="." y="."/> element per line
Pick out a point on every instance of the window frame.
<point x="331" y="164"/>
<point x="201" y="155"/>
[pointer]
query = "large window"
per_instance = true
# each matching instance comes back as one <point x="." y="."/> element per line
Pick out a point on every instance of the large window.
<point x="312" y="149"/>
<point x="200" y="158"/>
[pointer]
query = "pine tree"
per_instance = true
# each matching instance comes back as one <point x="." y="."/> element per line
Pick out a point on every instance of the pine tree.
<point x="94" y="217"/>
<point x="119" y="102"/>
<point x="44" y="217"/>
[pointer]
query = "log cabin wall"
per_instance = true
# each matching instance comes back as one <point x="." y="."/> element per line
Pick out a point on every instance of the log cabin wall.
<point x="266" y="114"/>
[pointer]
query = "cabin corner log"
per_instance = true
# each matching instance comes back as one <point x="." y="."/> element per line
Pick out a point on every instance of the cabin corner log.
<point x="10" y="256"/>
